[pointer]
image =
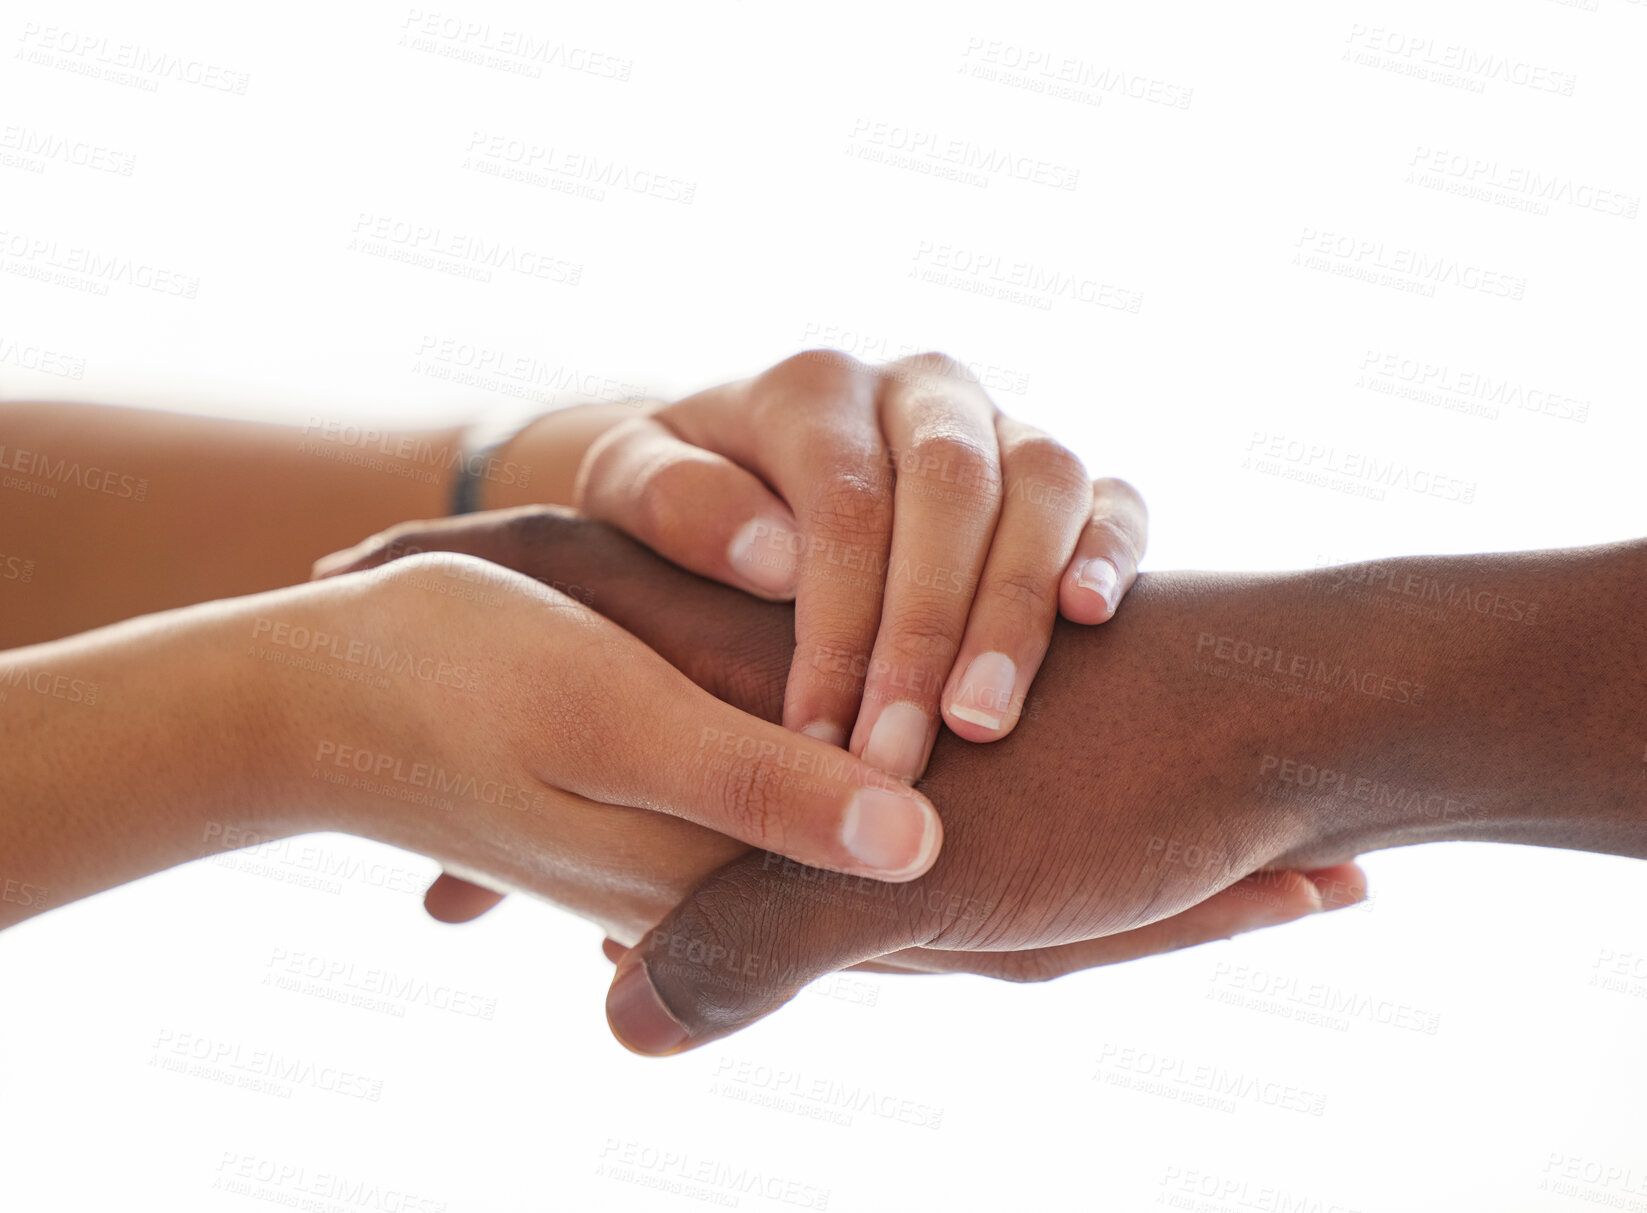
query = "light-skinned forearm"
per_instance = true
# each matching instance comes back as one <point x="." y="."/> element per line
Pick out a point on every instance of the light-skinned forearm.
<point x="111" y="512"/>
<point x="127" y="750"/>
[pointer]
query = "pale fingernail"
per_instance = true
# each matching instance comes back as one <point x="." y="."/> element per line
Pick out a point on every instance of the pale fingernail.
<point x="829" y="734"/>
<point x="638" y="1017"/>
<point x="986" y="690"/>
<point x="897" y="743"/>
<point x="1099" y="576"/>
<point x="765" y="554"/>
<point x="1337" y="895"/>
<point x="894" y="835"/>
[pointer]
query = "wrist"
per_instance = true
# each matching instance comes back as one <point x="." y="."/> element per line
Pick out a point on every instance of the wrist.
<point x="539" y="464"/>
<point x="255" y="660"/>
<point x="130" y="749"/>
<point x="1345" y="748"/>
<point x="1530" y="728"/>
<point x="309" y="673"/>
<point x="1290" y="699"/>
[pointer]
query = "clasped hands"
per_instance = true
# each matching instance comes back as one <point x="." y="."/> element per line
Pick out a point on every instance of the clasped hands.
<point x="844" y="560"/>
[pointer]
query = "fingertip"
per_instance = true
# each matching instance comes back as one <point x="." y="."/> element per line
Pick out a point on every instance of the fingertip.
<point x="1339" y="886"/>
<point x="613" y="950"/>
<point x="892" y="836"/>
<point x="984" y="704"/>
<point x="637" y="1016"/>
<point x="452" y="900"/>
<point x="1106" y="557"/>
<point x="765" y="555"/>
<point x="1092" y="590"/>
<point x="1266" y="898"/>
<point x="970" y="724"/>
<point x="899" y="741"/>
<point x="335" y="563"/>
<point x="827" y="732"/>
<point x="692" y="505"/>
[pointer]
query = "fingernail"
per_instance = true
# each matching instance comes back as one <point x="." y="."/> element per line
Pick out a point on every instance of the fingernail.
<point x="1099" y="576"/>
<point x="764" y="553"/>
<point x="986" y="690"/>
<point x="897" y="743"/>
<point x="638" y="1017"/>
<point x="1337" y="894"/>
<point x="829" y="734"/>
<point x="326" y="565"/>
<point x="892" y="834"/>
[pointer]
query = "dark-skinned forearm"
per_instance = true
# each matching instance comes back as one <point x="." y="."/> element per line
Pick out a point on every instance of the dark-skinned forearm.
<point x="1534" y="718"/>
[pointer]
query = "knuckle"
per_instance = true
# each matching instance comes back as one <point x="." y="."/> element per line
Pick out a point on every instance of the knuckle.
<point x="854" y="507"/>
<point x="1042" y="457"/>
<point x="1118" y="501"/>
<point x="822" y="356"/>
<point x="1123" y="490"/>
<point x="407" y="569"/>
<point x="602" y="471"/>
<point x="925" y="634"/>
<point x="751" y="800"/>
<point x="543" y="525"/>
<point x="1113" y="539"/>
<point x="1042" y="473"/>
<point x="838" y="646"/>
<point x="817" y="375"/>
<point x="545" y="542"/>
<point x="1025" y="591"/>
<point x="932" y="362"/>
<point x="652" y="503"/>
<point x="955" y="460"/>
<point x="657" y="501"/>
<point x="455" y="564"/>
<point x="399" y="541"/>
<point x="835" y="665"/>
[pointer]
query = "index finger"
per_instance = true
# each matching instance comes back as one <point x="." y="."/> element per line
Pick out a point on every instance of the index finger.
<point x="809" y="427"/>
<point x="948" y="501"/>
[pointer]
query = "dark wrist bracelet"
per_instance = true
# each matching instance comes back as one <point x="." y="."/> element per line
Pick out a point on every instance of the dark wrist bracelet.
<point x="480" y="445"/>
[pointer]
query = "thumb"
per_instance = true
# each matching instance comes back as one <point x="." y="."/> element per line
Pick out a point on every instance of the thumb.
<point x="693" y="506"/>
<point x="687" y="753"/>
<point x="745" y="942"/>
<point x="453" y="899"/>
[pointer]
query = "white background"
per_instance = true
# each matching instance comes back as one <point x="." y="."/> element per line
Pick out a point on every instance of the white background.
<point x="1214" y="145"/>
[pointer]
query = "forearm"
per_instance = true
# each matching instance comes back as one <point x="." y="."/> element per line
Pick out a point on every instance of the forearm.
<point x="125" y="751"/>
<point x="1533" y="722"/>
<point x="112" y="512"/>
<point x="127" y="511"/>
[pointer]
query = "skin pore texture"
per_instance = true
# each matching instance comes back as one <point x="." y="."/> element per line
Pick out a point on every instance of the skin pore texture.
<point x="1220" y="725"/>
